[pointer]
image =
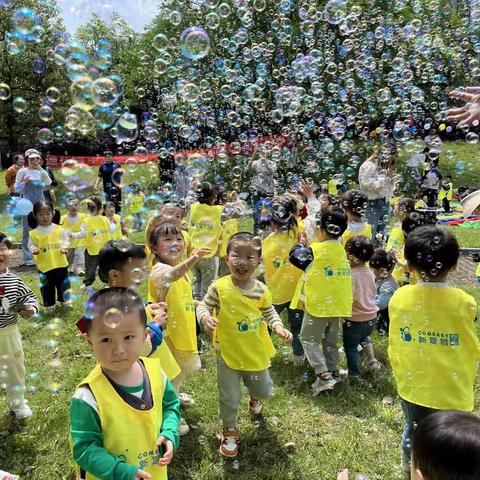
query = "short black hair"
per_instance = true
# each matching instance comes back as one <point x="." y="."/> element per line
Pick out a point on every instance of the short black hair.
<point x="32" y="216"/>
<point x="160" y="230"/>
<point x="412" y="221"/>
<point x="94" y="201"/>
<point x="354" y="201"/>
<point x="246" y="237"/>
<point x="431" y="251"/>
<point x="333" y="221"/>
<point x="284" y="212"/>
<point x="360" y="247"/>
<point x="382" y="259"/>
<point x="205" y="192"/>
<point x="115" y="254"/>
<point x="6" y="241"/>
<point x="125" y="300"/>
<point x="406" y="204"/>
<point x="446" y="446"/>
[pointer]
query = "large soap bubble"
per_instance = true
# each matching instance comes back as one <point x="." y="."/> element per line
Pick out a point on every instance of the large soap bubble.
<point x="194" y="43"/>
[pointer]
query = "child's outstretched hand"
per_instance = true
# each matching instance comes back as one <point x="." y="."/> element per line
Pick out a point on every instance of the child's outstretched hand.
<point x="27" y="312"/>
<point x="209" y="323"/>
<point x="282" y="332"/>
<point x="168" y="455"/>
<point x="303" y="239"/>
<point x="35" y="251"/>
<point x="202" y="252"/>
<point x="142" y="475"/>
<point x="343" y="475"/>
<point x="64" y="250"/>
<point x="159" y="313"/>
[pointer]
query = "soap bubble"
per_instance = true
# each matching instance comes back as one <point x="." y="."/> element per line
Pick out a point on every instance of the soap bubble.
<point x="19" y="104"/>
<point x="160" y="42"/>
<point x="335" y="11"/>
<point x="105" y="92"/>
<point x="23" y="207"/>
<point x="46" y="113"/>
<point x="5" y="91"/>
<point x="25" y="20"/>
<point x="194" y="43"/>
<point x="45" y="136"/>
<point x="112" y="318"/>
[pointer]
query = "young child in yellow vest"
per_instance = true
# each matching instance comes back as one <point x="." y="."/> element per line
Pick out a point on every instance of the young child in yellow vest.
<point x="171" y="284"/>
<point x="72" y="222"/>
<point x="433" y="345"/>
<point x="281" y="277"/>
<point x="97" y="231"/>
<point x="122" y="263"/>
<point x="205" y="230"/>
<point x="358" y="328"/>
<point x="136" y="201"/>
<point x="325" y="293"/>
<point x="16" y="298"/>
<point x="243" y="308"/>
<point x="48" y="243"/>
<point x="354" y="204"/>
<point x="445" y="193"/>
<point x="121" y="229"/>
<point x="125" y="414"/>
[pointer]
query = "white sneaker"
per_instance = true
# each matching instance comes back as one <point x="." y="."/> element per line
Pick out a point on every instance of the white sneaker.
<point x="298" y="360"/>
<point x="81" y="273"/>
<point x="320" y="385"/>
<point x="183" y="429"/>
<point x="8" y="476"/>
<point x="23" y="411"/>
<point x="229" y="442"/>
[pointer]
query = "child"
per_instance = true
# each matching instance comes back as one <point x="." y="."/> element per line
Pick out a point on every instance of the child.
<point x="382" y="264"/>
<point x="243" y="308"/>
<point x="48" y="243"/>
<point x="445" y="194"/>
<point x="354" y="203"/>
<point x="122" y="263"/>
<point x="446" y="446"/>
<point x="72" y="222"/>
<point x="401" y="211"/>
<point x="281" y="277"/>
<point x="124" y="415"/>
<point x="15" y="298"/>
<point x="326" y="293"/>
<point x="136" y="200"/>
<point x="433" y="346"/>
<point x="97" y="231"/>
<point x="172" y="285"/>
<point x="358" y="328"/>
<point x="205" y="229"/>
<point x="115" y="219"/>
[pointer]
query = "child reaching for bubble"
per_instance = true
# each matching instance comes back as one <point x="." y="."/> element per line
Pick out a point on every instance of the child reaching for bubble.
<point x="242" y="306"/>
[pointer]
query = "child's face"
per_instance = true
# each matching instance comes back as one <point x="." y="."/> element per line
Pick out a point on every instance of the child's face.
<point x="172" y="214"/>
<point x="44" y="216"/>
<point x="324" y="201"/>
<point x="72" y="207"/>
<point x="130" y="275"/>
<point x="110" y="210"/>
<point x="242" y="260"/>
<point x="169" y="248"/>
<point x="399" y="212"/>
<point x="4" y="257"/>
<point x="117" y="349"/>
<point x="379" y="272"/>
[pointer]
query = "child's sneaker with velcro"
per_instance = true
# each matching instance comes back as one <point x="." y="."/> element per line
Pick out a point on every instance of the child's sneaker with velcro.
<point x="229" y="442"/>
<point x="324" y="381"/>
<point x="255" y="407"/>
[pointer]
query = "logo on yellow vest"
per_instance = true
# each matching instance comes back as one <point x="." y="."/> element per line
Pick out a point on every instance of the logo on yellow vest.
<point x="249" y="324"/>
<point x="431" y="338"/>
<point x="341" y="272"/>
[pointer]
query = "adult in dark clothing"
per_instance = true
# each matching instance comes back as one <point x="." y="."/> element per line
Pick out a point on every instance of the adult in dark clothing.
<point x="111" y="176"/>
<point x="49" y="193"/>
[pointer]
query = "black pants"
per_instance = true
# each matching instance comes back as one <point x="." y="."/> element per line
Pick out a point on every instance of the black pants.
<point x="55" y="280"/>
<point x="91" y="264"/>
<point x="446" y="205"/>
<point x="432" y="195"/>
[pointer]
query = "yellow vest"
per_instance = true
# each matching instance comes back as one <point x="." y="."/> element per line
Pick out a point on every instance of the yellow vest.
<point x="478" y="270"/>
<point x="205" y="227"/>
<point x="327" y="284"/>
<point x="332" y="187"/>
<point x="129" y="433"/>
<point x="117" y="234"/>
<point x="74" y="228"/>
<point x="230" y="227"/>
<point x="98" y="233"/>
<point x="242" y="333"/>
<point x="163" y="353"/>
<point x="448" y="194"/>
<point x="396" y="238"/>
<point x="433" y="346"/>
<point x="281" y="277"/>
<point x="136" y="202"/>
<point x="49" y="244"/>
<point x="366" y="232"/>
<point x="181" y="323"/>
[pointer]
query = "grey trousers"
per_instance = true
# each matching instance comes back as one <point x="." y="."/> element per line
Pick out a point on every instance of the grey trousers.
<point x="76" y="259"/>
<point x="324" y="331"/>
<point x="259" y="385"/>
<point x="204" y="273"/>
<point x="91" y="265"/>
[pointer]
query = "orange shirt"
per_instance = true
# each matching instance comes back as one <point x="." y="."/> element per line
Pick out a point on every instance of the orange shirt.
<point x="10" y="176"/>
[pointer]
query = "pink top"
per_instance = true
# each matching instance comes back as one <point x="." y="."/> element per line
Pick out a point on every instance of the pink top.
<point x="364" y="307"/>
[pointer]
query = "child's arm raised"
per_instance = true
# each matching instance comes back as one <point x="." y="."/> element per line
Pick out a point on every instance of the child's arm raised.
<point x="178" y="271"/>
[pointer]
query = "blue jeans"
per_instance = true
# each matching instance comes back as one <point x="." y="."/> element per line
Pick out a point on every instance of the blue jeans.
<point x="295" y="318"/>
<point x="378" y="216"/>
<point x="27" y="255"/>
<point x="413" y="415"/>
<point x="355" y="334"/>
<point x="137" y="221"/>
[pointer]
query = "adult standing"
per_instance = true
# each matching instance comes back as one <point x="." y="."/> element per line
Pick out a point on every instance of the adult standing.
<point x="11" y="173"/>
<point x="431" y="184"/>
<point x="49" y="192"/>
<point x="433" y="140"/>
<point x="111" y="175"/>
<point x="377" y="183"/>
<point x="30" y="183"/>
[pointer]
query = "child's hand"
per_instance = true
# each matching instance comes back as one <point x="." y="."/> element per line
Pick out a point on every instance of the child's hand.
<point x="142" y="475"/>
<point x="64" y="250"/>
<point x="35" y="251"/>
<point x="209" y="323"/>
<point x="27" y="312"/>
<point x="168" y="455"/>
<point x="202" y="252"/>
<point x="113" y="220"/>
<point x="343" y="475"/>
<point x="303" y="239"/>
<point x="282" y="332"/>
<point x="159" y="313"/>
<point x="306" y="188"/>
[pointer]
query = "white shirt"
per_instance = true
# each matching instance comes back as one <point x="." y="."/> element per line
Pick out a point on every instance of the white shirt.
<point x="416" y="160"/>
<point x="433" y="142"/>
<point x="374" y="183"/>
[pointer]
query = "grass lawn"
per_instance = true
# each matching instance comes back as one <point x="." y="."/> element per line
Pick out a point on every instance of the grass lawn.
<point x="349" y="427"/>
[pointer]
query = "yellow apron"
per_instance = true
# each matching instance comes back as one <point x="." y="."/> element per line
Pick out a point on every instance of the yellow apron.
<point x="242" y="333"/>
<point x="98" y="233"/>
<point x="127" y="432"/>
<point x="366" y="232"/>
<point x="397" y="238"/>
<point x="205" y="227"/>
<point x="332" y="187"/>
<point x="326" y="286"/>
<point x="74" y="228"/>
<point x="117" y="234"/>
<point x="230" y="227"/>
<point x="281" y="277"/>
<point x="49" y="244"/>
<point x="136" y="202"/>
<point x="433" y="346"/>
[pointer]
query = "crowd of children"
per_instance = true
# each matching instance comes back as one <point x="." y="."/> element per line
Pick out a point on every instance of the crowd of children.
<point x="315" y="260"/>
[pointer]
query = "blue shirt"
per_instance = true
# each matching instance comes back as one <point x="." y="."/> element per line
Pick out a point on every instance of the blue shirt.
<point x="109" y="178"/>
